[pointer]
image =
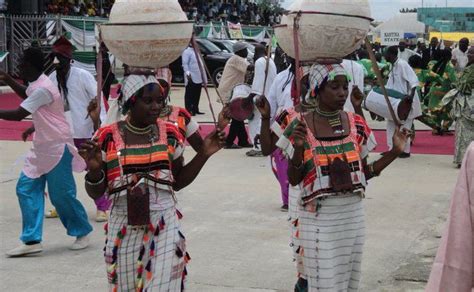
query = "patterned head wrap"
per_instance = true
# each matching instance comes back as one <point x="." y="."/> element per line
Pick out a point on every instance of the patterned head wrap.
<point x="323" y="73"/>
<point x="131" y="85"/>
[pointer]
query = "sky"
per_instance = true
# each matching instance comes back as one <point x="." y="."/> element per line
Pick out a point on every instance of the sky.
<point x="385" y="9"/>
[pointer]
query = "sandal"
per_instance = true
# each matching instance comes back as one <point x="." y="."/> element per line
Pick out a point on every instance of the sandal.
<point x="51" y="214"/>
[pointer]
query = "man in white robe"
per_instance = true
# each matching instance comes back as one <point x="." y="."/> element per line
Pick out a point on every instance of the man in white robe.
<point x="262" y="81"/>
<point x="403" y="79"/>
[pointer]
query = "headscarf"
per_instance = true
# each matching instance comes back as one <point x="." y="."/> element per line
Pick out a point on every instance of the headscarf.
<point x="131" y="85"/>
<point x="318" y="74"/>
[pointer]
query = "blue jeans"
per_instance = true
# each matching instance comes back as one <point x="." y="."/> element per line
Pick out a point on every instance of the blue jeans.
<point x="62" y="192"/>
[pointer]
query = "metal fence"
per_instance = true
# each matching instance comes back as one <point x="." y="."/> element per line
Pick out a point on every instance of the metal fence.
<point x="23" y="31"/>
<point x="18" y="32"/>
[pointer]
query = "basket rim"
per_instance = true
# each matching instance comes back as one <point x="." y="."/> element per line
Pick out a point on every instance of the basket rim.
<point x="301" y="12"/>
<point x="146" y="23"/>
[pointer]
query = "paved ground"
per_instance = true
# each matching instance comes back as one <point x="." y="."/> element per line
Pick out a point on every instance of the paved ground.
<point x="237" y="237"/>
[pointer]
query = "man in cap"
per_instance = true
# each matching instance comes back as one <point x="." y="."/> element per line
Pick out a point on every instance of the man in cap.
<point x="78" y="89"/>
<point x="403" y="52"/>
<point x="234" y="73"/>
<point x="403" y="79"/>
<point x="50" y="161"/>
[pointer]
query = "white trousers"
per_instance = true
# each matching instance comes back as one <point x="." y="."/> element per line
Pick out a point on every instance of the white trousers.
<point x="391" y="126"/>
<point x="254" y="127"/>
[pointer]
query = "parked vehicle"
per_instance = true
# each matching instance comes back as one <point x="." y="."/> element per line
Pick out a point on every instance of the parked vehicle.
<point x="227" y="45"/>
<point x="214" y="57"/>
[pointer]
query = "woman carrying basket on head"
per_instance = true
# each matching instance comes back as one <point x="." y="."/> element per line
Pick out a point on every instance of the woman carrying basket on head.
<point x="327" y="150"/>
<point x="140" y="162"/>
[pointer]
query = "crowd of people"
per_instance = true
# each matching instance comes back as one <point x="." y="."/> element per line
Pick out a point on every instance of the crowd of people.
<point x="88" y="8"/>
<point x="433" y="68"/>
<point x="247" y="12"/>
<point x="314" y="130"/>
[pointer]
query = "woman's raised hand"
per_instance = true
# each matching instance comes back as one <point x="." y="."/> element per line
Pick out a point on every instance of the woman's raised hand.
<point x="213" y="142"/>
<point x="299" y="134"/>
<point x="357" y="97"/>
<point x="92" y="154"/>
<point x="224" y="118"/>
<point x="263" y="106"/>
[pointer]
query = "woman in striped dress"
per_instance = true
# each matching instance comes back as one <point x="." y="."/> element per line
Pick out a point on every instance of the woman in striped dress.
<point x="327" y="150"/>
<point x="139" y="161"/>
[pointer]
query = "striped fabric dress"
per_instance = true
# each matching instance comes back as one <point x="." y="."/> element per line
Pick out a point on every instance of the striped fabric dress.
<point x="293" y="216"/>
<point x="181" y="118"/>
<point x="330" y="226"/>
<point x="152" y="257"/>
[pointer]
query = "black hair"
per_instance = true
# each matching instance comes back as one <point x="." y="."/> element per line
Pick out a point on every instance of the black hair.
<point x="416" y="61"/>
<point x="363" y="54"/>
<point x="443" y="58"/>
<point x="393" y="50"/>
<point x="35" y="57"/>
<point x="259" y="49"/>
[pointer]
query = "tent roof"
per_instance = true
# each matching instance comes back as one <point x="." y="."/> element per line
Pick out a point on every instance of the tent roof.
<point x="406" y="22"/>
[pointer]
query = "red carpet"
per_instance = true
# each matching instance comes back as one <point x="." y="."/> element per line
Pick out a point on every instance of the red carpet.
<point x="425" y="143"/>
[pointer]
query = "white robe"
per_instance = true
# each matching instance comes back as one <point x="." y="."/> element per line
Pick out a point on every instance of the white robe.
<point x="279" y="96"/>
<point x="356" y="71"/>
<point x="403" y="79"/>
<point x="257" y="88"/>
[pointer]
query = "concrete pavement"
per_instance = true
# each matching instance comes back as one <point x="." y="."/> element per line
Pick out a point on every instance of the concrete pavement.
<point x="236" y="235"/>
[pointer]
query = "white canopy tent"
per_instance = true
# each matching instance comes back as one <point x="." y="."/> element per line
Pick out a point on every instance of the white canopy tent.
<point x="405" y="22"/>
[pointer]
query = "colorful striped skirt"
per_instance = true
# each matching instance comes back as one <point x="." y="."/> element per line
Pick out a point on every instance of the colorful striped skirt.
<point x="331" y="242"/>
<point x="151" y="258"/>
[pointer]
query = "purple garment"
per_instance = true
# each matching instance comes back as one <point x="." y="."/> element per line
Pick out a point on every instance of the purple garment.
<point x="281" y="172"/>
<point x="102" y="203"/>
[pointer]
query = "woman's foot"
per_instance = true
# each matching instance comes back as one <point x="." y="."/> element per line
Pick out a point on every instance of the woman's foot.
<point x="80" y="243"/>
<point x="51" y="214"/>
<point x="284" y="208"/>
<point x="25" y="249"/>
<point x="100" y="216"/>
